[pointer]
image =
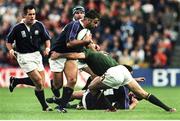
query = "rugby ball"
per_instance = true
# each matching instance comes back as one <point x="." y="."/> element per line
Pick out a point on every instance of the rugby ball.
<point x="83" y="33"/>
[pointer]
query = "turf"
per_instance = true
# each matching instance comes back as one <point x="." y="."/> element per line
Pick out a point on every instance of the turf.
<point x="22" y="104"/>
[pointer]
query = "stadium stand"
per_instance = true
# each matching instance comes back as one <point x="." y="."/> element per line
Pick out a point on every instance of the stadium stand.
<point x="143" y="33"/>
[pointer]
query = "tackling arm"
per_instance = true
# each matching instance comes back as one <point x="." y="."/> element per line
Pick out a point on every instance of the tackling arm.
<point x="72" y="56"/>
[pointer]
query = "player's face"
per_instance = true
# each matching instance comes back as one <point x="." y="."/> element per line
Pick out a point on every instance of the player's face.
<point x="30" y="16"/>
<point x="93" y="23"/>
<point x="79" y="15"/>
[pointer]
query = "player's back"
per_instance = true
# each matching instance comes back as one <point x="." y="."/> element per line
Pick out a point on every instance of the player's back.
<point x="98" y="62"/>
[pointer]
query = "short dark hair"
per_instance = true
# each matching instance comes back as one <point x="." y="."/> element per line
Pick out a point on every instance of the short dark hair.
<point x="130" y="69"/>
<point x="28" y="7"/>
<point x="92" y="14"/>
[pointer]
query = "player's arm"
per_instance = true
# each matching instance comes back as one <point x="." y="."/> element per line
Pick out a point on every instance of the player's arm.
<point x="11" y="50"/>
<point x="47" y="47"/>
<point x="76" y="43"/>
<point x="72" y="40"/>
<point x="10" y="41"/>
<point x="72" y="56"/>
<point x="46" y="38"/>
<point x="93" y="46"/>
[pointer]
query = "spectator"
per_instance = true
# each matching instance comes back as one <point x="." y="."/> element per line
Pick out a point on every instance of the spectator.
<point x="124" y="20"/>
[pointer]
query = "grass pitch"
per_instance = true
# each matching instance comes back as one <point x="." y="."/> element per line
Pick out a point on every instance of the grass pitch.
<point x="22" y="105"/>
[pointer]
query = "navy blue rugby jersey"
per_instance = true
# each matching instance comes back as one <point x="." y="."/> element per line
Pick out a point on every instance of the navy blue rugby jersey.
<point x="28" y="41"/>
<point x="69" y="33"/>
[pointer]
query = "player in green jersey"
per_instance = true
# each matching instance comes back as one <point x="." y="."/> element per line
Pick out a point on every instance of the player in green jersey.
<point x="111" y="75"/>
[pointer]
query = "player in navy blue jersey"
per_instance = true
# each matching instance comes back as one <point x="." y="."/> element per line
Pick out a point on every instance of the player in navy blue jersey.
<point x="78" y="12"/>
<point x="28" y="36"/>
<point x="67" y="42"/>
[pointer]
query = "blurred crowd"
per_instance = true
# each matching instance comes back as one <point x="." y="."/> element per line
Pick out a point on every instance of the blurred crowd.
<point x="135" y="32"/>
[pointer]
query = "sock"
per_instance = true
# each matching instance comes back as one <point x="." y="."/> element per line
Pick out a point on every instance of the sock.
<point x="56" y="92"/>
<point x="87" y="83"/>
<point x="151" y="98"/>
<point x="40" y="96"/>
<point x="67" y="92"/>
<point x="26" y="81"/>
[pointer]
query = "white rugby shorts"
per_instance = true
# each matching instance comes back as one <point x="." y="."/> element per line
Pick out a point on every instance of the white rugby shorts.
<point x="57" y="65"/>
<point x="117" y="76"/>
<point x="30" y="61"/>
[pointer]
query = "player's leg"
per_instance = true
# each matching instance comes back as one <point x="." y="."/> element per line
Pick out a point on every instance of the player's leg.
<point x="15" y="81"/>
<point x="37" y="78"/>
<point x="88" y="70"/>
<point x="56" y="67"/>
<point x="95" y="86"/>
<point x="71" y="72"/>
<point x="56" y="85"/>
<point x="140" y="92"/>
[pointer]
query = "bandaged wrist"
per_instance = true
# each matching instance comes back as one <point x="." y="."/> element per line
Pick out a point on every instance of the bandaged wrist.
<point x="47" y="49"/>
<point x="11" y="51"/>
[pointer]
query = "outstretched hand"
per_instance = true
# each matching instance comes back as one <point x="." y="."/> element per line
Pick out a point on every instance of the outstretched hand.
<point x="140" y="79"/>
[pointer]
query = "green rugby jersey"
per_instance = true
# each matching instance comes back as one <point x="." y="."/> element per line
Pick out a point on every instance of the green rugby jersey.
<point x="99" y="62"/>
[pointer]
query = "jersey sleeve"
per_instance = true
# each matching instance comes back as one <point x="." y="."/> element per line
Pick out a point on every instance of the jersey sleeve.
<point x="45" y="34"/>
<point x="73" y="31"/>
<point x="11" y="36"/>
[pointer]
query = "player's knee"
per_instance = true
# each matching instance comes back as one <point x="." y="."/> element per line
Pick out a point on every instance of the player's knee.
<point x="71" y="82"/>
<point x="71" y="79"/>
<point x="143" y="95"/>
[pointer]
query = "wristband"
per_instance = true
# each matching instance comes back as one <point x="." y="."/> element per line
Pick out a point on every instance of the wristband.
<point x="11" y="50"/>
<point x="48" y="49"/>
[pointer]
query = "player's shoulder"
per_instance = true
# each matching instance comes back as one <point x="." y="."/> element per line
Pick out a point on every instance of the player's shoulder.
<point x="74" y="23"/>
<point x="16" y="26"/>
<point x="39" y="22"/>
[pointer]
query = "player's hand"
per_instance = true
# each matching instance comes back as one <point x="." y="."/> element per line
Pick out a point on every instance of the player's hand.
<point x="12" y="54"/>
<point x="111" y="110"/>
<point x="54" y="55"/>
<point x="97" y="47"/>
<point x="46" y="51"/>
<point x="140" y="79"/>
<point x="88" y="38"/>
